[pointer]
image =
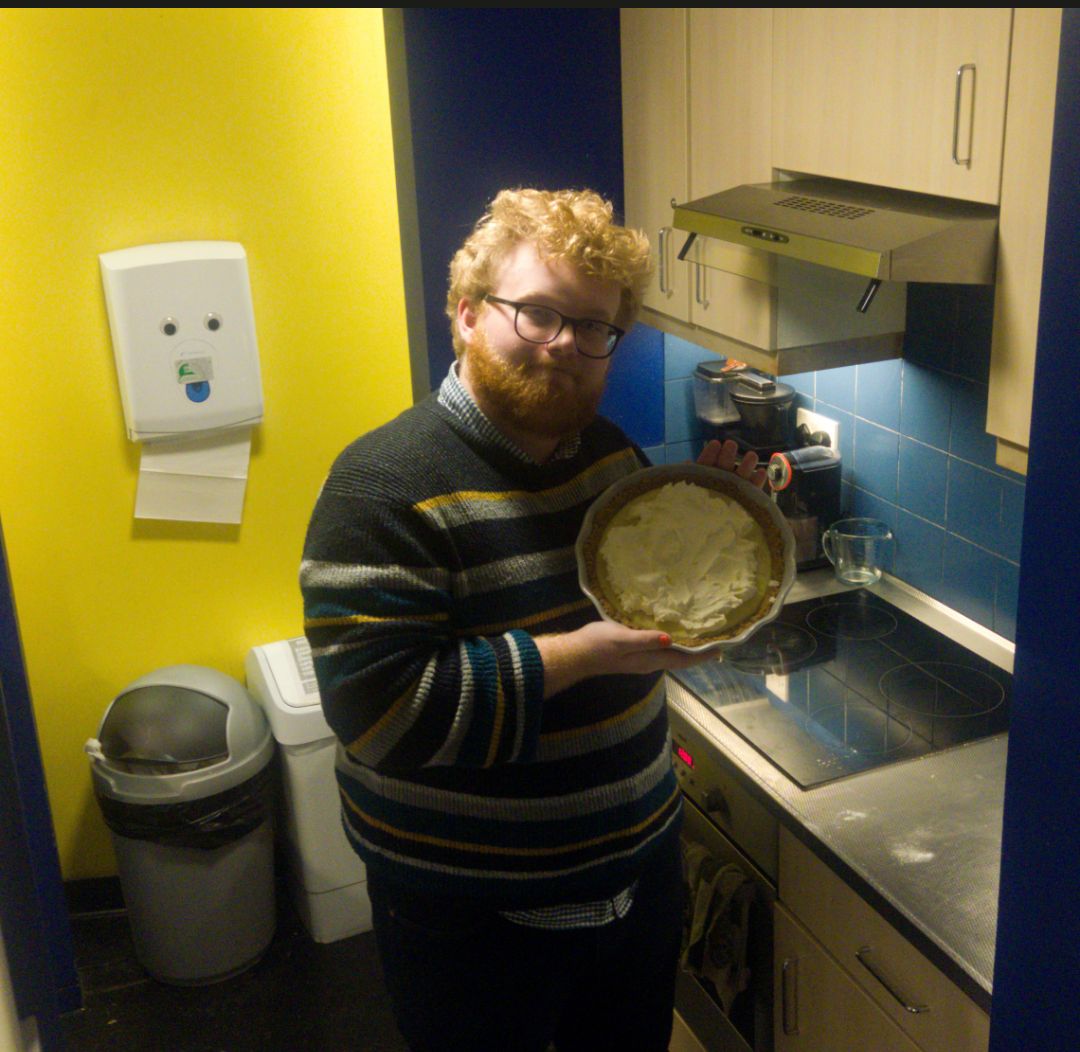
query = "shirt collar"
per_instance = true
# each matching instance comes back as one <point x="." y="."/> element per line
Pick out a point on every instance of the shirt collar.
<point x="454" y="397"/>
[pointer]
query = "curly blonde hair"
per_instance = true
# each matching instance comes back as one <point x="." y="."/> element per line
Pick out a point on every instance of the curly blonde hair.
<point x="572" y="225"/>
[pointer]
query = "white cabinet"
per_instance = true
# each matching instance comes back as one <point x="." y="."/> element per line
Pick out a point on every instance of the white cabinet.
<point x="1025" y="181"/>
<point x="907" y="991"/>
<point x="912" y="98"/>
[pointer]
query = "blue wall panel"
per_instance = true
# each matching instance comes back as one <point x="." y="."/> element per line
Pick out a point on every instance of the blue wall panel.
<point x="505" y="97"/>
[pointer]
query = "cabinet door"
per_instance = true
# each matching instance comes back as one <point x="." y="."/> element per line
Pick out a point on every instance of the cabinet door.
<point x="818" y="1008"/>
<point x="730" y="107"/>
<point x="908" y="989"/>
<point x="1025" y="179"/>
<point x="654" y="94"/>
<point x="886" y="96"/>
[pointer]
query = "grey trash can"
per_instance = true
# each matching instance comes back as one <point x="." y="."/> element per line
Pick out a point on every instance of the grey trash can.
<point x="181" y="771"/>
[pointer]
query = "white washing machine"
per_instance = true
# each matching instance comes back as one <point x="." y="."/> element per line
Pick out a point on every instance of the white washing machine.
<point x="327" y="878"/>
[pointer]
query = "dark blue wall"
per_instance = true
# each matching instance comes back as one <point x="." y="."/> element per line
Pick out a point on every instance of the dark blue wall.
<point x="1037" y="972"/>
<point x="507" y="97"/>
<point x="33" y="909"/>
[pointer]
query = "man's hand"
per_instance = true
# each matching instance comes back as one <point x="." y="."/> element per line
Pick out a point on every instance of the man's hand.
<point x="603" y="649"/>
<point x="717" y="454"/>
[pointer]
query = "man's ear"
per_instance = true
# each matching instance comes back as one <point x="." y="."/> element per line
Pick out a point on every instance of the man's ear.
<point x="468" y="317"/>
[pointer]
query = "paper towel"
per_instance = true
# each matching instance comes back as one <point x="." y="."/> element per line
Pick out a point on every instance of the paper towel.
<point x="198" y="479"/>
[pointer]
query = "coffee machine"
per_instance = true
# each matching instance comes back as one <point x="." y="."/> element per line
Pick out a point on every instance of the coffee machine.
<point x="733" y="401"/>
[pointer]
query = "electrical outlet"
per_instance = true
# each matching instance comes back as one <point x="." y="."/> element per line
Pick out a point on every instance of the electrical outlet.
<point x="817" y="422"/>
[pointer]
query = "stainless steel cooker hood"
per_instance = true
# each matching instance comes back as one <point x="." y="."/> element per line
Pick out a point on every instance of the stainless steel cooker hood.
<point x="884" y="235"/>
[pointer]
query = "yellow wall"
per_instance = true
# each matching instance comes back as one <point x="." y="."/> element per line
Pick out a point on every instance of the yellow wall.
<point x="124" y="127"/>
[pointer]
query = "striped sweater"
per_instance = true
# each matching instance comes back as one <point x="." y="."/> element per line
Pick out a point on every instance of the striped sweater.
<point x="433" y="558"/>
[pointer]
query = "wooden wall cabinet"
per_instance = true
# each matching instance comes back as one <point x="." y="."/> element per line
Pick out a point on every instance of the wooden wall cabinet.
<point x="912" y="98"/>
<point x="656" y="142"/>
<point x="1025" y="181"/>
<point x="696" y="106"/>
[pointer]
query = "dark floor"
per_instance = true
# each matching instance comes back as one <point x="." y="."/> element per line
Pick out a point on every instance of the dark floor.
<point x="301" y="996"/>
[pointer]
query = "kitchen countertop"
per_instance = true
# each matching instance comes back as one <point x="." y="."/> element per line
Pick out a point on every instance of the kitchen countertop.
<point x="920" y="839"/>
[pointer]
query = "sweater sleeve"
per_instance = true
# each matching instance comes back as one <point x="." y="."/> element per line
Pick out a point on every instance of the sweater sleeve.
<point x="400" y="686"/>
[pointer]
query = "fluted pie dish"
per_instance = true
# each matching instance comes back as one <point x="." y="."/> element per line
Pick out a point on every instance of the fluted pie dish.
<point x="693" y="551"/>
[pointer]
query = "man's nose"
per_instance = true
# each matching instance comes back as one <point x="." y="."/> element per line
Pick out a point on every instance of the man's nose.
<point x="565" y="344"/>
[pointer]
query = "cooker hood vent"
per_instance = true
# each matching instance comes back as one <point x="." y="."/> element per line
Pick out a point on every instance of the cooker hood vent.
<point x="883" y="235"/>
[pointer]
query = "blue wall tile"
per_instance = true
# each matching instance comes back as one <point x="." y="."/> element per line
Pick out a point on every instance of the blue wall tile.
<point x="846" y="422"/>
<point x="920" y="548"/>
<point x="975" y="509"/>
<point x="681" y="357"/>
<point x="877" y="393"/>
<point x="923" y="480"/>
<point x="877" y="453"/>
<point x="1012" y="518"/>
<point x="864" y="505"/>
<point x="804" y="383"/>
<point x="967" y="437"/>
<point x="836" y="387"/>
<point x="1005" y="603"/>
<point x="926" y="405"/>
<point x="680" y="421"/>
<point x="969" y="579"/>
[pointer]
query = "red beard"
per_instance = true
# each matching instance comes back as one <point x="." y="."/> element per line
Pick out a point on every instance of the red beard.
<point x="540" y="398"/>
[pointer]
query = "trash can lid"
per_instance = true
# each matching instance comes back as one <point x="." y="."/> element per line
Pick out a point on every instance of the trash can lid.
<point x="179" y="733"/>
<point x="164" y="729"/>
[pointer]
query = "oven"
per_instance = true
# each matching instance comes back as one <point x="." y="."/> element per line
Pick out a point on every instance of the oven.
<point x="724" y="986"/>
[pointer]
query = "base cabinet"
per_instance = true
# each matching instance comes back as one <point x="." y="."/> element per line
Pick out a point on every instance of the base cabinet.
<point x="818" y="1007"/>
<point x="906" y="989"/>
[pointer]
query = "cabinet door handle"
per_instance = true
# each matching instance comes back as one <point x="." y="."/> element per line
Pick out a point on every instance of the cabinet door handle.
<point x="863" y="957"/>
<point x="699" y="286"/>
<point x="662" y="249"/>
<point x="957" y="159"/>
<point x="789" y="993"/>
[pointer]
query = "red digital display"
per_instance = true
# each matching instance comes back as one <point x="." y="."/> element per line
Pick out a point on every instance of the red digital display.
<point x="683" y="755"/>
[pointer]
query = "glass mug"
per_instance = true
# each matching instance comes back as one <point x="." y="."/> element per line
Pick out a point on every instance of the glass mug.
<point x="857" y="548"/>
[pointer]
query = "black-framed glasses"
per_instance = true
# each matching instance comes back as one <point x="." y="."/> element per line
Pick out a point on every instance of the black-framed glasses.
<point x="538" y="324"/>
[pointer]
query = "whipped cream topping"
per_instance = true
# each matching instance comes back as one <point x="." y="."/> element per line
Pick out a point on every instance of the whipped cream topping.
<point x="682" y="556"/>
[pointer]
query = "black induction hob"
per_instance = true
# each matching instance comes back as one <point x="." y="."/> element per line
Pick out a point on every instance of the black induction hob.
<point x="845" y="683"/>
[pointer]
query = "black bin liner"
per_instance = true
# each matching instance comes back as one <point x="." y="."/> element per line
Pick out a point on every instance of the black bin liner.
<point x="208" y="823"/>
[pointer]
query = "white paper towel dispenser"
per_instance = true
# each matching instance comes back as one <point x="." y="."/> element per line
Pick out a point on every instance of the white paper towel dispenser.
<point x="183" y="332"/>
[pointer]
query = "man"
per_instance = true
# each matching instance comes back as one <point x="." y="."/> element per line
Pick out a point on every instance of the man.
<point x="505" y="767"/>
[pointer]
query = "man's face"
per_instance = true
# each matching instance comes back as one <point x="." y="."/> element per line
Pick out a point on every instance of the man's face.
<point x="547" y="390"/>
